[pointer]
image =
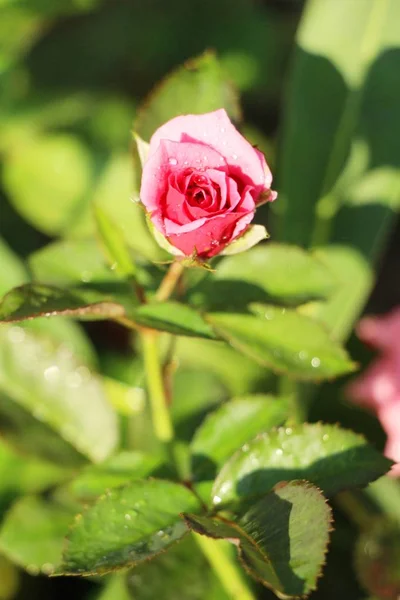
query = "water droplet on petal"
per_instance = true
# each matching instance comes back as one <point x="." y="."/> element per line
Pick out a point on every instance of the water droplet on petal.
<point x="222" y="130"/>
<point x="315" y="362"/>
<point x="234" y="156"/>
<point x="173" y="161"/>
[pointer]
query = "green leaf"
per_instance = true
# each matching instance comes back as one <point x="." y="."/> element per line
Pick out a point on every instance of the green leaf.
<point x="354" y="102"/>
<point x="227" y="428"/>
<point x="270" y="271"/>
<point x="252" y="236"/>
<point x="355" y="279"/>
<point x="70" y="262"/>
<point x="127" y="400"/>
<point x="377" y="559"/>
<point x="13" y="271"/>
<point x="127" y="526"/>
<point x="115" y="589"/>
<point x="285" y="341"/>
<point x="173" y="317"/>
<point x="48" y="400"/>
<point x="32" y="534"/>
<point x="199" y="86"/>
<point x="282" y="271"/>
<point x="182" y="572"/>
<point x="238" y="373"/>
<point x="113" y="244"/>
<point x="282" y="539"/>
<point x="94" y="480"/>
<point x="47" y="179"/>
<point x="34" y="300"/>
<point x="329" y="457"/>
<point x="9" y="579"/>
<point x="25" y="475"/>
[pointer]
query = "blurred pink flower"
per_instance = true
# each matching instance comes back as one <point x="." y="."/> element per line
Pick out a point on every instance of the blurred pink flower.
<point x="378" y="388"/>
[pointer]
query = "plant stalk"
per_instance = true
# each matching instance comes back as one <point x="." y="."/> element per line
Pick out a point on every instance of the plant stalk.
<point x="161" y="417"/>
<point x="170" y="281"/>
<point x="225" y="569"/>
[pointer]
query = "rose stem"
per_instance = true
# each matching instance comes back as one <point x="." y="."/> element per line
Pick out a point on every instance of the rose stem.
<point x="161" y="418"/>
<point x="169" y="282"/>
<point x="225" y="569"/>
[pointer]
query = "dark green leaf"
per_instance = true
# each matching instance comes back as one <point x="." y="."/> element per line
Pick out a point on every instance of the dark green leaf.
<point x="94" y="480"/>
<point x="230" y="426"/>
<point x="173" y="317"/>
<point x="48" y="400"/>
<point x="127" y="526"/>
<point x="33" y="532"/>
<point x="285" y="341"/>
<point x="377" y="560"/>
<point x="282" y="539"/>
<point x="330" y="457"/>
<point x="36" y="300"/>
<point x="199" y="86"/>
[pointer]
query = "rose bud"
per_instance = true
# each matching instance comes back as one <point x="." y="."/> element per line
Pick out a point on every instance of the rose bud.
<point x="201" y="184"/>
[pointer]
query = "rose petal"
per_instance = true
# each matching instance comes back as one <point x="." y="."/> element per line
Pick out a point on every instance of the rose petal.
<point x="245" y="162"/>
<point x="172" y="157"/>
<point x="209" y="238"/>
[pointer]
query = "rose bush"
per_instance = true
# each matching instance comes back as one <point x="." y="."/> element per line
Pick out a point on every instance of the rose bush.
<point x="379" y="387"/>
<point x="202" y="182"/>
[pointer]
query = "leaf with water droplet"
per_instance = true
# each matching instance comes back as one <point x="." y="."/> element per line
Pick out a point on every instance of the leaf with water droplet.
<point x="48" y="399"/>
<point x="276" y="338"/>
<point x="34" y="300"/>
<point x="231" y="425"/>
<point x="103" y="539"/>
<point x="93" y="480"/>
<point x="330" y="457"/>
<point x="33" y="533"/>
<point x="173" y="317"/>
<point x="281" y="538"/>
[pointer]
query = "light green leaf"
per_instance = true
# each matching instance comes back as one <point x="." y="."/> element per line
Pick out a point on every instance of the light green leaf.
<point x="199" y="86"/>
<point x="48" y="400"/>
<point x="142" y="148"/>
<point x="237" y="372"/>
<point x="285" y="341"/>
<point x="13" y="271"/>
<point x="354" y="95"/>
<point x="34" y="300"/>
<point x="252" y="236"/>
<point x="115" y="589"/>
<point x="330" y="457"/>
<point x="142" y="519"/>
<point x="113" y="244"/>
<point x="47" y="179"/>
<point x="32" y="534"/>
<point x="230" y="426"/>
<point x="173" y="317"/>
<point x="127" y="400"/>
<point x="282" y="538"/>
<point x="181" y="572"/>
<point x="94" y="480"/>
<point x="270" y="271"/>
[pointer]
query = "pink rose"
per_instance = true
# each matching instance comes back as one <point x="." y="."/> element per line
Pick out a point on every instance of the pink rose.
<point x="379" y="387"/>
<point x="202" y="182"/>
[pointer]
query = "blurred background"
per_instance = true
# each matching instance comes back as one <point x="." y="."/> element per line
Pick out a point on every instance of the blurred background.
<point x="319" y="86"/>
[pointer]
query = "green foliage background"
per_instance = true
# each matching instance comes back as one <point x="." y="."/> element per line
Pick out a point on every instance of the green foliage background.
<point x="319" y="87"/>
